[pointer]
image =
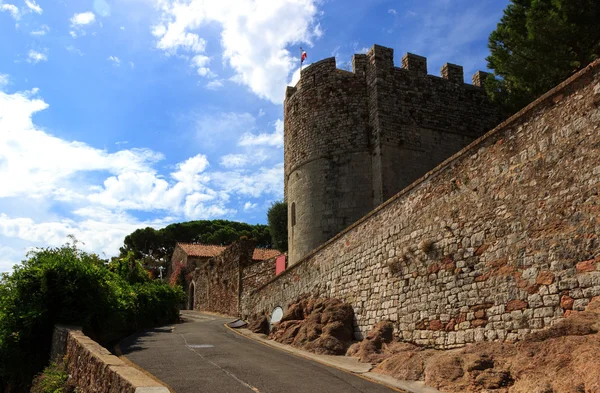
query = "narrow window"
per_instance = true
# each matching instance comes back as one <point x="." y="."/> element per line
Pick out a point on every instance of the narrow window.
<point x="293" y="213"/>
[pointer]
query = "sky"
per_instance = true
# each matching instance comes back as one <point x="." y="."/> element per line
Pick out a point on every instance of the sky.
<point x="122" y="114"/>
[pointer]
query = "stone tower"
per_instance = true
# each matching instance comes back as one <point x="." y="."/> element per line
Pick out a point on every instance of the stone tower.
<point x="354" y="139"/>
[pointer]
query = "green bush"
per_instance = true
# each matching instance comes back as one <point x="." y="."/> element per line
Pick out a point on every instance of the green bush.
<point x="67" y="286"/>
<point x="54" y="379"/>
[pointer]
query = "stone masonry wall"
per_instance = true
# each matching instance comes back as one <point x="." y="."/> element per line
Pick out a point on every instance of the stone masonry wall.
<point x="499" y="240"/>
<point x="257" y="274"/>
<point x="218" y="282"/>
<point x="93" y="369"/>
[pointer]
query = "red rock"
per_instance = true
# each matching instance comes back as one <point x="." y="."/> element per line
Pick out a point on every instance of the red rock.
<point x="483" y="277"/>
<point x="545" y="278"/>
<point x="479" y="323"/>
<point x="436" y="324"/>
<point x="481" y="249"/>
<point x="566" y="302"/>
<point x="516" y="305"/>
<point x="383" y="332"/>
<point x="461" y="318"/>
<point x="259" y="324"/>
<point x="480" y="314"/>
<point x="434" y="268"/>
<point x="450" y="325"/>
<point x="586" y="266"/>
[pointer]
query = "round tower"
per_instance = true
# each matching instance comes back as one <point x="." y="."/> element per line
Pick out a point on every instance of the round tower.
<point x="328" y="183"/>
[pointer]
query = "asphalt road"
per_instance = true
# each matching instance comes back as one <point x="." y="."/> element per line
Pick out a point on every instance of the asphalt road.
<point x="201" y="355"/>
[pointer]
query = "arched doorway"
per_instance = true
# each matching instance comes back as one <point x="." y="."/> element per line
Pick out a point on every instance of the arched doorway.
<point x="191" y="296"/>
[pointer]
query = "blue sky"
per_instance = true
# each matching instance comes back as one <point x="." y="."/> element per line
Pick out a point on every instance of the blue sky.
<point x="121" y="114"/>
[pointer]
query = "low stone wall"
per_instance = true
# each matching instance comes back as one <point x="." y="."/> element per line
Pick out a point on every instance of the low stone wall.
<point x="498" y="241"/>
<point x="93" y="369"/>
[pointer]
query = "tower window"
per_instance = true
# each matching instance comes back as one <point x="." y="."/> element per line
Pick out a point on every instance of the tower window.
<point x="293" y="213"/>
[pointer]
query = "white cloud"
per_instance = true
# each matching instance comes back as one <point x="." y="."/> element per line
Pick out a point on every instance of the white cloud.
<point x="252" y="183"/>
<point x="32" y="5"/>
<point x="214" y="84"/>
<point x="318" y="31"/>
<point x="392" y="11"/>
<point x="235" y="160"/>
<point x="11" y="9"/>
<point x="82" y="19"/>
<point x="274" y="139"/>
<point x="97" y="188"/>
<point x="200" y="62"/>
<point x="72" y="49"/>
<point x="4" y="79"/>
<point x="255" y="36"/>
<point x="250" y="206"/>
<point x="115" y="60"/>
<point x="43" y="30"/>
<point x="35" y="57"/>
<point x="100" y="231"/>
<point x="122" y="27"/>
<point x="37" y="164"/>
<point x="131" y="65"/>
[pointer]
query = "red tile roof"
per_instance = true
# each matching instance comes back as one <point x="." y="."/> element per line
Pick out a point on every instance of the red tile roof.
<point x="262" y="254"/>
<point x="207" y="250"/>
<point x="201" y="250"/>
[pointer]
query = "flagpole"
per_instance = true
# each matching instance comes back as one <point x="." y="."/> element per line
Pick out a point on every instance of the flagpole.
<point x="300" y="60"/>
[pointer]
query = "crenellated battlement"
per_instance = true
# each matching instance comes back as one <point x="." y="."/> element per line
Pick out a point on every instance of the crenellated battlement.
<point x="381" y="59"/>
<point x="353" y="139"/>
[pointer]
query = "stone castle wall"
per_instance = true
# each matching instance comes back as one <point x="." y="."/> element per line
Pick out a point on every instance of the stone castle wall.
<point x="217" y="283"/>
<point x="499" y="240"/>
<point x="354" y="139"/>
<point x="256" y="275"/>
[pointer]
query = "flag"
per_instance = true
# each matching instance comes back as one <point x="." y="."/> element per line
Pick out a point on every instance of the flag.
<point x="303" y="57"/>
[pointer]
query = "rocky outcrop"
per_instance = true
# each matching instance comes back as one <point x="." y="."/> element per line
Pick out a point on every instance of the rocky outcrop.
<point x="319" y="325"/>
<point x="259" y="324"/>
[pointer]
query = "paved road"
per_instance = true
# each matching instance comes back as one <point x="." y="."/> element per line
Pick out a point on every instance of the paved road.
<point x="201" y="355"/>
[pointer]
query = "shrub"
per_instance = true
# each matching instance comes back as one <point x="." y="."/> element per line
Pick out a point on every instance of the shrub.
<point x="67" y="286"/>
<point x="54" y="379"/>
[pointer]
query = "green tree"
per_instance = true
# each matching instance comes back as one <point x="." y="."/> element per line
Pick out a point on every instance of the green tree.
<point x="537" y="45"/>
<point x="162" y="241"/>
<point x="277" y="216"/>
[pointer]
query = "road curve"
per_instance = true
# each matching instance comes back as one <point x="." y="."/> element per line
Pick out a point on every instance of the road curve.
<point x="201" y="355"/>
